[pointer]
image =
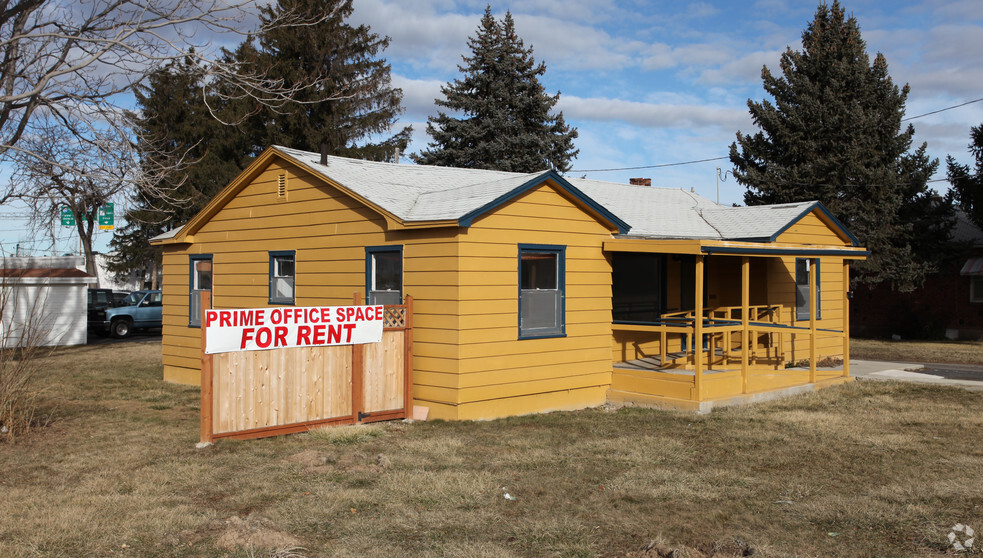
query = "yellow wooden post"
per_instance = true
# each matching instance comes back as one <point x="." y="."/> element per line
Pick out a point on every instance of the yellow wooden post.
<point x="846" y="318"/>
<point x="662" y="346"/>
<point x="812" y="319"/>
<point x="745" y="318"/>
<point x="698" y="331"/>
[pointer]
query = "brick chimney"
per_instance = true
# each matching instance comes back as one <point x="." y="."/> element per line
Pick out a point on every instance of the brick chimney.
<point x="640" y="181"/>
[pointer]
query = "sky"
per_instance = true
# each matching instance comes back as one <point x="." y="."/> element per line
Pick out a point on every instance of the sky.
<point x="657" y="83"/>
<point x="651" y="84"/>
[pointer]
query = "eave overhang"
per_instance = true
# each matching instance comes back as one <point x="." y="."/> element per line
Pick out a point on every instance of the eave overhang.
<point x="708" y="247"/>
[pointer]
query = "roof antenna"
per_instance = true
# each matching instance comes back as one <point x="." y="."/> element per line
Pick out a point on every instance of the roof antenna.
<point x="324" y="154"/>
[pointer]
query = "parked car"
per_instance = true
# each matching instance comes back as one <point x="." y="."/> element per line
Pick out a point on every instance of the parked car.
<point x="98" y="301"/>
<point x="140" y="310"/>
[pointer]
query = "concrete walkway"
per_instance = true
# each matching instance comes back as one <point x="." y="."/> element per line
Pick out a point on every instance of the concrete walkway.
<point x="967" y="376"/>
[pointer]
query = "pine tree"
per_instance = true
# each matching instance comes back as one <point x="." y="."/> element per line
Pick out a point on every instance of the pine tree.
<point x="364" y="105"/>
<point x="833" y="134"/>
<point x="176" y="132"/>
<point x="506" y="123"/>
<point x="967" y="187"/>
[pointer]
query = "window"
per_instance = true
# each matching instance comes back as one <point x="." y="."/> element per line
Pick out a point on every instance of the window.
<point x="802" y="268"/>
<point x="201" y="280"/>
<point x="541" y="291"/>
<point x="153" y="300"/>
<point x="637" y="287"/>
<point x="976" y="288"/>
<point x="282" y="277"/>
<point x="384" y="274"/>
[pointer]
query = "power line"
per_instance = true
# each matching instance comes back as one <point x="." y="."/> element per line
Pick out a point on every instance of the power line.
<point x="722" y="158"/>
<point x="651" y="166"/>
<point x="942" y="109"/>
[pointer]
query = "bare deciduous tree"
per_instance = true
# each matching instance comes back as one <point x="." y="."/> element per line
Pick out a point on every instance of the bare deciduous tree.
<point x="56" y="167"/>
<point x="69" y="60"/>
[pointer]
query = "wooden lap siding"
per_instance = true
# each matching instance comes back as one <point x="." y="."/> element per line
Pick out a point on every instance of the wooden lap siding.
<point x="812" y="229"/>
<point x="501" y="375"/>
<point x="329" y="232"/>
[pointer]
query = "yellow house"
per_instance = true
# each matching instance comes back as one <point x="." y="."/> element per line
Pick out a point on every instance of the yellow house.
<point x="533" y="292"/>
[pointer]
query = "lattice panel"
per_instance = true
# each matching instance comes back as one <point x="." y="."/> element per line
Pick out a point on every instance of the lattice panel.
<point x="395" y="316"/>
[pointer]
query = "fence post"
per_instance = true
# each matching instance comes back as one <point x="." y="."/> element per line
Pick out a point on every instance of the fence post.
<point x="206" y="374"/>
<point x="358" y="402"/>
<point x="408" y="358"/>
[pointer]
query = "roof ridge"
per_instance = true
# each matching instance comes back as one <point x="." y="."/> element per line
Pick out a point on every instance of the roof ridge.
<point x="419" y="197"/>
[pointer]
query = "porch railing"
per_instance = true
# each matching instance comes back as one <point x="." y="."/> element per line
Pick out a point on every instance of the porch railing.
<point x="723" y="342"/>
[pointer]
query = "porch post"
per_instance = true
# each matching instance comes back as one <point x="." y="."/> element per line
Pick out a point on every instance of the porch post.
<point x="698" y="331"/>
<point x="745" y="318"/>
<point x="846" y="318"/>
<point x="812" y="319"/>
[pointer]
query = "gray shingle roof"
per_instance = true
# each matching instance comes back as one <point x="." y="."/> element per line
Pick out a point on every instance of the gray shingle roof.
<point x="757" y="222"/>
<point x="416" y="193"/>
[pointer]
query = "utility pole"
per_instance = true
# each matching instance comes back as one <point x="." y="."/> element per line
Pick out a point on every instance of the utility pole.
<point x="721" y="179"/>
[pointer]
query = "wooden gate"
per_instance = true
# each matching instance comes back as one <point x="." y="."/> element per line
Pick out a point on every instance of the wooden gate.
<point x="253" y="394"/>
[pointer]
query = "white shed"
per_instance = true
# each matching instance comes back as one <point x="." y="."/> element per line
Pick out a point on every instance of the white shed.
<point x="42" y="302"/>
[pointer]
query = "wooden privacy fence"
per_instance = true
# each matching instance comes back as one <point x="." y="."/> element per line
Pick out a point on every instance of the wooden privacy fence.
<point x="254" y="394"/>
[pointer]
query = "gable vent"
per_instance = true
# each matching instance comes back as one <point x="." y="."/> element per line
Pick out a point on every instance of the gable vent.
<point x="281" y="186"/>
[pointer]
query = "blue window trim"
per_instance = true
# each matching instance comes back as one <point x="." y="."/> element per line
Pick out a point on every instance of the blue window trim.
<point x="275" y="254"/>
<point x="369" y="251"/>
<point x="561" y="281"/>
<point x="819" y="310"/>
<point x="191" y="281"/>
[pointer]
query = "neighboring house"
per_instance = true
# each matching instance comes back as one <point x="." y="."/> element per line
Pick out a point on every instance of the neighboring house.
<point x="43" y="301"/>
<point x="134" y="280"/>
<point x="949" y="304"/>
<point x="532" y="292"/>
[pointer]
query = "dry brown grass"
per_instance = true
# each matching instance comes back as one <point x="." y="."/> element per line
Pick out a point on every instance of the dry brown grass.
<point x="947" y="352"/>
<point x="866" y="469"/>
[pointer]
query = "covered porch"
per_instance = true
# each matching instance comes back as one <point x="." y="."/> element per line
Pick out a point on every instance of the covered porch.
<point x="699" y="323"/>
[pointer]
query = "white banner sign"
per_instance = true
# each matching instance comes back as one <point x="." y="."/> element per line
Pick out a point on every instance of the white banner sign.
<point x="258" y="329"/>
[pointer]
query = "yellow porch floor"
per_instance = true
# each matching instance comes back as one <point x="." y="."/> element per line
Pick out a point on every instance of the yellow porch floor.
<point x="644" y="382"/>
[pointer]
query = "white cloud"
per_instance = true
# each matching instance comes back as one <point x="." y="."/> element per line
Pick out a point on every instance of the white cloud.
<point x="649" y="115"/>
<point x="745" y="69"/>
<point x="418" y="95"/>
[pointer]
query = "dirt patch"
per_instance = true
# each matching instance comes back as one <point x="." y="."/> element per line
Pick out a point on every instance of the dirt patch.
<point x="252" y="532"/>
<point x="312" y="461"/>
<point x="319" y="462"/>
<point x="720" y="549"/>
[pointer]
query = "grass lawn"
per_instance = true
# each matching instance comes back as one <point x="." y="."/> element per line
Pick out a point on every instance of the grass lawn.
<point x="864" y="469"/>
<point x="948" y="352"/>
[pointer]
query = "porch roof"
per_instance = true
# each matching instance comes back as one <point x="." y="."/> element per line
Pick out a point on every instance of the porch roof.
<point x="706" y="247"/>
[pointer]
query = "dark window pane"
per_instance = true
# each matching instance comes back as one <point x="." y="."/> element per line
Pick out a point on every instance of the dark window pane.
<point x="636" y="287"/>
<point x="538" y="270"/>
<point x="203" y="275"/>
<point x="201" y="280"/>
<point x="388" y="271"/>
<point x="802" y="270"/>
<point x="284" y="266"/>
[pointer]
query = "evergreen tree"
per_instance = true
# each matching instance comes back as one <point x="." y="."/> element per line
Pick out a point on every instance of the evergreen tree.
<point x="201" y="155"/>
<point x="506" y="123"/>
<point x="364" y="105"/>
<point x="833" y="134"/>
<point x="967" y="187"/>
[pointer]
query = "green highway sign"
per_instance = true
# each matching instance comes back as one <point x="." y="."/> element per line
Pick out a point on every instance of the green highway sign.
<point x="106" y="217"/>
<point x="67" y="217"/>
